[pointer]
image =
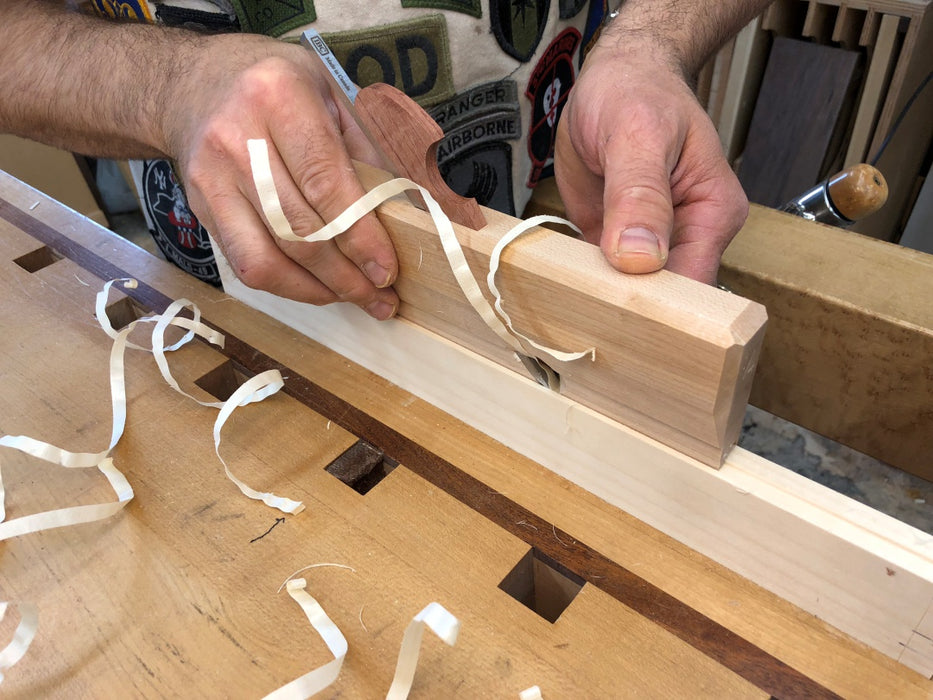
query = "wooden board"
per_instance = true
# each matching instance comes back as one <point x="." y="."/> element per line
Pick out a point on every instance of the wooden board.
<point x="850" y="337"/>
<point x="177" y="595"/>
<point x="799" y="116"/>
<point x="674" y="357"/>
<point x="846" y="350"/>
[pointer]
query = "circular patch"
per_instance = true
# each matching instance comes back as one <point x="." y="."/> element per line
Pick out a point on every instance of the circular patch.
<point x="176" y="230"/>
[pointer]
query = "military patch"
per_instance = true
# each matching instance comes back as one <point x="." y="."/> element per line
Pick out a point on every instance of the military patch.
<point x="123" y="9"/>
<point x="548" y="89"/>
<point x="594" y="26"/>
<point x="484" y="172"/>
<point x="176" y="231"/>
<point x="273" y="17"/>
<point x="414" y="56"/>
<point x="570" y="8"/>
<point x="478" y="101"/>
<point x="473" y="8"/>
<point x="518" y="25"/>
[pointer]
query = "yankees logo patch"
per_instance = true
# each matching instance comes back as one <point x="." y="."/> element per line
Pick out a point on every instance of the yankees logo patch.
<point x="518" y="25"/>
<point x="548" y="89"/>
<point x="123" y="9"/>
<point x="273" y="17"/>
<point x="176" y="230"/>
<point x="414" y="56"/>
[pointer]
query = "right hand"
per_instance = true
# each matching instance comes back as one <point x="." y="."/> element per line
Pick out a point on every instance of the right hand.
<point x="241" y="87"/>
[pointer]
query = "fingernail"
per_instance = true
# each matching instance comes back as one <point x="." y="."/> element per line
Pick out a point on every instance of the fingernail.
<point x="377" y="274"/>
<point x="381" y="310"/>
<point x="638" y="241"/>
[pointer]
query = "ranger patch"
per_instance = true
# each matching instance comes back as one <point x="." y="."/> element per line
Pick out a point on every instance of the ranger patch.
<point x="548" y="89"/>
<point x="477" y="101"/>
<point x="176" y="231"/>
<point x="123" y="9"/>
<point x="518" y="25"/>
<point x="467" y="7"/>
<point x="414" y="56"/>
<point x="273" y="17"/>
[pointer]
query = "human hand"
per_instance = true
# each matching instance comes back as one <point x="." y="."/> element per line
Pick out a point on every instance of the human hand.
<point x="640" y="167"/>
<point x="244" y="87"/>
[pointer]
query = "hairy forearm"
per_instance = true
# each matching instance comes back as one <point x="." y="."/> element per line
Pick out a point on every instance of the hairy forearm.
<point x="686" y="32"/>
<point x="89" y="85"/>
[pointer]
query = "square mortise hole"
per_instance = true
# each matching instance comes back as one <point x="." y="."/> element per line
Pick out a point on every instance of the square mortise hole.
<point x="222" y="381"/>
<point x="37" y="259"/>
<point x="542" y="584"/>
<point x="123" y="312"/>
<point x="361" y="467"/>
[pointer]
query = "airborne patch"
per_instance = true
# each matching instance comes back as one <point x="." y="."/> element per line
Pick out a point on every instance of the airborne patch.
<point x="414" y="56"/>
<point x="474" y="156"/>
<point x="518" y="25"/>
<point x="176" y="230"/>
<point x="273" y="17"/>
<point x="473" y="8"/>
<point x="123" y="9"/>
<point x="548" y="89"/>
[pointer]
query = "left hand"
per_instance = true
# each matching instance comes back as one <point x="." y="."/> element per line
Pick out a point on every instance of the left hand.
<point x="640" y="167"/>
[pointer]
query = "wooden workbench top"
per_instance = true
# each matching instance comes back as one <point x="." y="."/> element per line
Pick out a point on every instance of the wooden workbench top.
<point x="176" y="595"/>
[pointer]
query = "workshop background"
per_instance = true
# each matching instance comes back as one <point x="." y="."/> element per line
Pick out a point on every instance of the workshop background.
<point x="805" y="90"/>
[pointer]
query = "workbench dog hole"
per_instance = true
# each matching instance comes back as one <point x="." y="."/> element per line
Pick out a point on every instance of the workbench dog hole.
<point x="37" y="259"/>
<point x="123" y="312"/>
<point x="542" y="584"/>
<point x="361" y="467"/>
<point x="223" y="380"/>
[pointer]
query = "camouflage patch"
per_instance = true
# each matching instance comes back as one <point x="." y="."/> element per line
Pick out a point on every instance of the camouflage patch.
<point x="414" y="56"/>
<point x="548" y="89"/>
<point x="594" y="26"/>
<point x="473" y="8"/>
<point x="570" y="8"/>
<point x="177" y="232"/>
<point x="480" y="100"/>
<point x="504" y="126"/>
<point x="518" y="25"/>
<point x="484" y="172"/>
<point x="123" y="9"/>
<point x="273" y="17"/>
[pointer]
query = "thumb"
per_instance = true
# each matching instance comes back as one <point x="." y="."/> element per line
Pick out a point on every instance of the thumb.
<point x="638" y="213"/>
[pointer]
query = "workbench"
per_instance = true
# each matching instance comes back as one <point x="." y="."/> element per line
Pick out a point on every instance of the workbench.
<point x="177" y="594"/>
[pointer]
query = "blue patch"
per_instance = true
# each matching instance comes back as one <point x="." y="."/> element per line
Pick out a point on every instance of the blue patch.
<point x="593" y="28"/>
<point x="176" y="230"/>
<point x="123" y="9"/>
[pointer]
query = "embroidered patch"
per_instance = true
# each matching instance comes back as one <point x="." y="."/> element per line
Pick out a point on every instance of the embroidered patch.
<point x="467" y="7"/>
<point x="197" y="20"/>
<point x="273" y="17"/>
<point x="123" y="9"/>
<point x="414" y="56"/>
<point x="518" y="25"/>
<point x="548" y="89"/>
<point x="594" y="26"/>
<point x="176" y="231"/>
<point x="478" y="101"/>
<point x="483" y="171"/>
<point x="570" y="8"/>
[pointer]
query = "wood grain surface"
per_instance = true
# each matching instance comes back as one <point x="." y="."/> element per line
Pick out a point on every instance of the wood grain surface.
<point x="177" y="595"/>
